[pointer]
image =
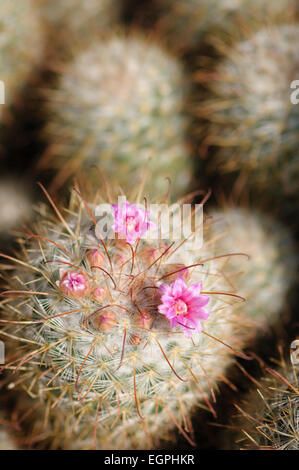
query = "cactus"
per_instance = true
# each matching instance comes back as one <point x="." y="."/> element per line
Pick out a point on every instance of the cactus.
<point x="250" y="118"/>
<point x="103" y="324"/>
<point x="75" y="18"/>
<point x="184" y="23"/>
<point x="268" y="417"/>
<point x="271" y="269"/>
<point x="119" y="105"/>
<point x="20" y="46"/>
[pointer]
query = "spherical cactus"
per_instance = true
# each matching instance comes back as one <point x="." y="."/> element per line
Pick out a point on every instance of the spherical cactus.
<point x="185" y="22"/>
<point x="268" y="418"/>
<point x="122" y="327"/>
<point x="20" y="47"/>
<point x="270" y="272"/>
<point x="119" y="105"/>
<point x="250" y="118"/>
<point x="75" y="18"/>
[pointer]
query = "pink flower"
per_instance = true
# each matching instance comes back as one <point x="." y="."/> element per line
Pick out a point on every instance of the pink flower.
<point x="74" y="284"/>
<point x="184" y="305"/>
<point x="130" y="221"/>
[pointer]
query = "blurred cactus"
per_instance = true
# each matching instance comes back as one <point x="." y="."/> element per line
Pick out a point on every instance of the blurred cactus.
<point x="251" y="120"/>
<point x="110" y="331"/>
<point x="266" y="278"/>
<point x="119" y="104"/>
<point x="185" y="22"/>
<point x="76" y="18"/>
<point x="20" y="46"/>
<point x="15" y="206"/>
<point x="269" y="416"/>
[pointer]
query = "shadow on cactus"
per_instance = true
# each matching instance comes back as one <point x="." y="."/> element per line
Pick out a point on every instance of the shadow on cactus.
<point x="121" y="331"/>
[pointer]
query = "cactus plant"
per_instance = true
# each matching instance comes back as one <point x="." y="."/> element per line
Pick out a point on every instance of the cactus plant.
<point x="123" y="326"/>
<point x="121" y="336"/>
<point x="271" y="269"/>
<point x="118" y="105"/>
<point x="250" y="118"/>
<point x="268" y="417"/>
<point x="20" y="46"/>
<point x="184" y="23"/>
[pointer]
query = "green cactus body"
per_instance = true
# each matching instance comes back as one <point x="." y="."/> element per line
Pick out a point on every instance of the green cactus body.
<point x="106" y="358"/>
<point x="268" y="417"/>
<point x="250" y="118"/>
<point x="20" y="47"/>
<point x="75" y="18"/>
<point x="119" y="106"/>
<point x="271" y="269"/>
<point x="185" y="22"/>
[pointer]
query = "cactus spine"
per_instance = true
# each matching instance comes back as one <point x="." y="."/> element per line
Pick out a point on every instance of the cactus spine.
<point x="119" y="105"/>
<point x="268" y="418"/>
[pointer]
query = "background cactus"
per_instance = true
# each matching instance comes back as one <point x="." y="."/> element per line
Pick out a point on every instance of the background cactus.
<point x="15" y="206"/>
<point x="20" y="46"/>
<point x="250" y="118"/>
<point x="94" y="340"/>
<point x="271" y="269"/>
<point x="74" y="18"/>
<point x="118" y="104"/>
<point x="268" y="418"/>
<point x="185" y="22"/>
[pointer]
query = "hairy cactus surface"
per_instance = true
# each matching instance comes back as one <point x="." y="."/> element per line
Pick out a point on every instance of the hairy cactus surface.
<point x="185" y="22"/>
<point x="269" y="416"/>
<point x="250" y="118"/>
<point x="120" y="105"/>
<point x="271" y="269"/>
<point x="121" y="327"/>
<point x="20" y="46"/>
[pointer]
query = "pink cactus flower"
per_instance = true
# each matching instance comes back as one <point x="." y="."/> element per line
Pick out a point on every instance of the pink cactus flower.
<point x="130" y="221"/>
<point x="74" y="284"/>
<point x="183" y="305"/>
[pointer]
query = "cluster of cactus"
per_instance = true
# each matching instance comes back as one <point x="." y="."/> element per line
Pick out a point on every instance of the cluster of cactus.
<point x="250" y="118"/>
<point x="107" y="308"/>
<point x="269" y="416"/>
<point x="20" y="46"/>
<point x="120" y="105"/>
<point x="184" y="23"/>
